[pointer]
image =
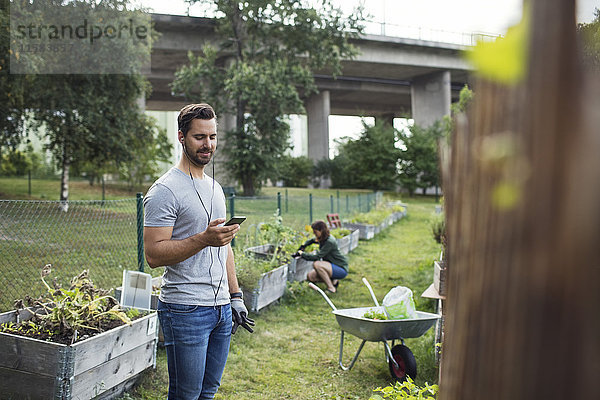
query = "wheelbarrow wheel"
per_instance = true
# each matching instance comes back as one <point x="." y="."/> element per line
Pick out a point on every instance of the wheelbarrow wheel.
<point x="406" y="363"/>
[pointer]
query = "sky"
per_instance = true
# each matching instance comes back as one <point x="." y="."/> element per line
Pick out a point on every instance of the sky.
<point x="441" y="20"/>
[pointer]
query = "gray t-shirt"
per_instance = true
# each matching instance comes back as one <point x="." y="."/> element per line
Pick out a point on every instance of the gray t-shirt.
<point x="174" y="200"/>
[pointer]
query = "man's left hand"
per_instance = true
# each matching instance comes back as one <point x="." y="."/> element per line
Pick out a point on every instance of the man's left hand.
<point x="239" y="314"/>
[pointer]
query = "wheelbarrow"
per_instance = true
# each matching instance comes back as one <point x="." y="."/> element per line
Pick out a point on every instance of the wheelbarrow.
<point x="400" y="359"/>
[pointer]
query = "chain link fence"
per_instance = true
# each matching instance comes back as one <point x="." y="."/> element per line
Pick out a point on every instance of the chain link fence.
<point x="102" y="236"/>
<point x="99" y="235"/>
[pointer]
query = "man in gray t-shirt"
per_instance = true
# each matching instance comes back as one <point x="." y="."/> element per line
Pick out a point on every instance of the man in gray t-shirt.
<point x="200" y="303"/>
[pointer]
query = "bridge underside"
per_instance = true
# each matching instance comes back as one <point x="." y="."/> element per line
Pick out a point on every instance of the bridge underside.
<point x="390" y="77"/>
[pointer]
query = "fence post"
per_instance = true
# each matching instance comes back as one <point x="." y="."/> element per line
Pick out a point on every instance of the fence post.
<point x="310" y="211"/>
<point x="232" y="213"/>
<point x="286" y="200"/>
<point x="338" y="201"/>
<point x="29" y="180"/>
<point x="279" y="203"/>
<point x="140" y="230"/>
<point x="331" y="202"/>
<point x="359" y="205"/>
<point x="368" y="202"/>
<point x="347" y="205"/>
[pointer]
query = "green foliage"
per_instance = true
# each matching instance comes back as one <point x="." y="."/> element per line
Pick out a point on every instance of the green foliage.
<point x="18" y="163"/>
<point x="505" y="59"/>
<point x="259" y="83"/>
<point x="378" y="215"/>
<point x="438" y="227"/>
<point x="74" y="313"/>
<point x="406" y="390"/>
<point x="249" y="268"/>
<point x="419" y="161"/>
<point x="590" y="35"/>
<point x="89" y="121"/>
<point x="339" y="233"/>
<point x="373" y="217"/>
<point x="285" y="241"/>
<point x="368" y="162"/>
<point x="294" y="171"/>
<point x="375" y="315"/>
<point x="151" y="147"/>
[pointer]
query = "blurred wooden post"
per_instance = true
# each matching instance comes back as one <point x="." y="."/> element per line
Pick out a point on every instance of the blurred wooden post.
<point x="522" y="196"/>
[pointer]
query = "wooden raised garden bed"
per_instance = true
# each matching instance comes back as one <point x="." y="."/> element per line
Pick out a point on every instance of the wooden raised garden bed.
<point x="271" y="285"/>
<point x="101" y="366"/>
<point x="366" y="231"/>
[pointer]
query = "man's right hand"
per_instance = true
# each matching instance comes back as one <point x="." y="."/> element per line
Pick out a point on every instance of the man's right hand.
<point x="217" y="236"/>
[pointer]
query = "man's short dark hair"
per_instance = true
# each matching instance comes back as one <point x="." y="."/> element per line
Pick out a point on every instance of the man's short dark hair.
<point x="191" y="112"/>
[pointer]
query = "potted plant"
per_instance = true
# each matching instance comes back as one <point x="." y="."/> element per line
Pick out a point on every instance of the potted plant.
<point x="74" y="343"/>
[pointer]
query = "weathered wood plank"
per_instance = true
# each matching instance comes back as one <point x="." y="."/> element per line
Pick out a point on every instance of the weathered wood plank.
<point x="301" y="269"/>
<point x="270" y="288"/>
<point x="108" y="345"/>
<point x="95" y="381"/>
<point x="30" y="355"/>
<point x="13" y="384"/>
<point x="366" y="231"/>
<point x="354" y="238"/>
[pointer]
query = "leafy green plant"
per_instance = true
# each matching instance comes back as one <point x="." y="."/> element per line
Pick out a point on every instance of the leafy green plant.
<point x="285" y="239"/>
<point x="339" y="233"/>
<point x="375" y="315"/>
<point x="438" y="227"/>
<point x="406" y="390"/>
<point x="249" y="268"/>
<point x="69" y="315"/>
<point x="374" y="217"/>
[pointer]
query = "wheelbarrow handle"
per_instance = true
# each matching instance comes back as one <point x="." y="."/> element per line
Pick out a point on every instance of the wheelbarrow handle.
<point x="315" y="287"/>
<point x="366" y="282"/>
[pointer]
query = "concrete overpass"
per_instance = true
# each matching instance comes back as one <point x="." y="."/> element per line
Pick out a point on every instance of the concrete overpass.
<point x="391" y="77"/>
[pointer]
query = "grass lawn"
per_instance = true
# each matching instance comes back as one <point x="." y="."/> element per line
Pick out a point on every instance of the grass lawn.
<point x="293" y="352"/>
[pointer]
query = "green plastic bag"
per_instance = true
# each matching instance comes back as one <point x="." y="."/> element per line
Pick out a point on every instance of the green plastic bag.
<point x="399" y="303"/>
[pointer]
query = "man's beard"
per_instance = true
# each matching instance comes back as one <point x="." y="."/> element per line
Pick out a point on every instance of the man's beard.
<point x="197" y="160"/>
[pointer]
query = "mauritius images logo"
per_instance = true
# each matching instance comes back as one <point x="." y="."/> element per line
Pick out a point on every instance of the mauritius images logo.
<point x="78" y="38"/>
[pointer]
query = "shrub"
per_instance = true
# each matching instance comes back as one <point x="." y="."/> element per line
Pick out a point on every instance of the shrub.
<point x="406" y="390"/>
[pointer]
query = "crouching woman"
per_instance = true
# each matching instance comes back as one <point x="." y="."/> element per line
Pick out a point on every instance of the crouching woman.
<point x="329" y="265"/>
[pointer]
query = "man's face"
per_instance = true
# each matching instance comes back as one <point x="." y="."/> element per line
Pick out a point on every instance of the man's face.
<point x="201" y="140"/>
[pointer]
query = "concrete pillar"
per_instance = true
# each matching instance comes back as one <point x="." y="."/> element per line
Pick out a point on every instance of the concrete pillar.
<point x="317" y="112"/>
<point x="430" y="98"/>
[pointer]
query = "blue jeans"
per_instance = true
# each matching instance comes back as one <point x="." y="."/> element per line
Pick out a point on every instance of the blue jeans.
<point x="197" y="343"/>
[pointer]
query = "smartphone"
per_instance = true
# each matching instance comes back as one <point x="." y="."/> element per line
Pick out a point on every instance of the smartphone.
<point x="235" y="220"/>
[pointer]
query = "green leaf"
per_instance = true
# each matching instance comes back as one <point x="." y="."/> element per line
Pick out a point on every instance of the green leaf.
<point x="505" y="59"/>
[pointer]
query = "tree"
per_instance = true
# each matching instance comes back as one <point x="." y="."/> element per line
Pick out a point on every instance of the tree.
<point x="14" y="89"/>
<point x="368" y="162"/>
<point x="590" y="35"/>
<point x="263" y="67"/>
<point x="148" y="154"/>
<point x="419" y="161"/>
<point x="87" y="110"/>
<point x="294" y="171"/>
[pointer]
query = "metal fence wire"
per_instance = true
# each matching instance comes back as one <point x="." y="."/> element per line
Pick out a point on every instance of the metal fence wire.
<point x="105" y="236"/>
<point x="97" y="235"/>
